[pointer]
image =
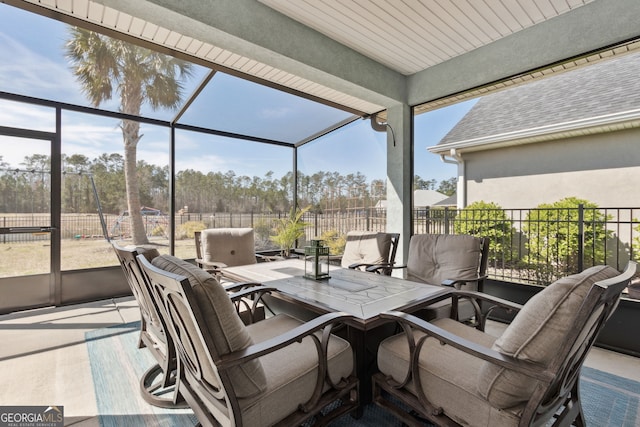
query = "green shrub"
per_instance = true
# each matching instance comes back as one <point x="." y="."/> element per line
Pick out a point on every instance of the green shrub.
<point x="335" y="241"/>
<point x="635" y="242"/>
<point x="289" y="229"/>
<point x="159" y="230"/>
<point x="487" y="219"/>
<point x="553" y="237"/>
<point x="186" y="230"/>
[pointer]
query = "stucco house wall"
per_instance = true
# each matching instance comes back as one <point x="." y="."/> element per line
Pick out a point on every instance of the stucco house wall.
<point x="602" y="168"/>
<point x="572" y="134"/>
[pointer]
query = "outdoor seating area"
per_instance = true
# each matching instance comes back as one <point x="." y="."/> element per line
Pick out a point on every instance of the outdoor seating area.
<point x="218" y="364"/>
<point x="290" y="213"/>
<point x="198" y="312"/>
<point x="530" y="373"/>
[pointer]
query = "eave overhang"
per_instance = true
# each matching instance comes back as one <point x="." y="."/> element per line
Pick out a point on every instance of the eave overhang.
<point x="583" y="127"/>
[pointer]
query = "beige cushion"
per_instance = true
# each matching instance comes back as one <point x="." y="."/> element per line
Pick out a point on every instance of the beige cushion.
<point x="149" y="253"/>
<point x="535" y="334"/>
<point x="434" y="258"/>
<point x="291" y="372"/>
<point x="366" y="247"/>
<point x="448" y="376"/>
<point x="227" y="330"/>
<point x="230" y="246"/>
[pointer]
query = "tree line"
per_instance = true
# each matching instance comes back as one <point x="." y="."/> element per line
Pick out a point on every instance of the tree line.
<point x="26" y="188"/>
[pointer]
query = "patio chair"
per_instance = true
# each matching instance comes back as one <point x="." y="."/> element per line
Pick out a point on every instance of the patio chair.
<point x="278" y="371"/>
<point x="451" y="374"/>
<point x="371" y="250"/>
<point x="217" y="248"/>
<point x="156" y="380"/>
<point x="459" y="261"/>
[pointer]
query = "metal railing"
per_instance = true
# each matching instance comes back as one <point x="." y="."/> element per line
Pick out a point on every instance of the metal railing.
<point x="538" y="246"/>
<point x="534" y="246"/>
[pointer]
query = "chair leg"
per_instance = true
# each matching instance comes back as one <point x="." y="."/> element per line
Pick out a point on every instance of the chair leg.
<point x="155" y="393"/>
<point x="572" y="414"/>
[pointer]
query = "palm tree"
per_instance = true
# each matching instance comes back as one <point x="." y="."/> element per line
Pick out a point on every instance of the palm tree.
<point x="104" y="65"/>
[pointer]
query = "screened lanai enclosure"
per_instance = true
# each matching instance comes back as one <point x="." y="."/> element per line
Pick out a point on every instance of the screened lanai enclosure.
<point x="146" y="121"/>
<point x="227" y="153"/>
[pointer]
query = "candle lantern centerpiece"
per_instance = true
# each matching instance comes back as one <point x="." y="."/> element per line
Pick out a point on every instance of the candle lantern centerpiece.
<point x="316" y="261"/>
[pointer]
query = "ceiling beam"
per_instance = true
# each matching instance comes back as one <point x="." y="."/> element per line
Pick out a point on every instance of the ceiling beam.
<point x="251" y="29"/>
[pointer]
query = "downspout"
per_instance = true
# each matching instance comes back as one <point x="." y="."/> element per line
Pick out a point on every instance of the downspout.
<point x="455" y="158"/>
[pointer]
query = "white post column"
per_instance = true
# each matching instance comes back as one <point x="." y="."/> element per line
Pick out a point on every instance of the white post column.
<point x="399" y="177"/>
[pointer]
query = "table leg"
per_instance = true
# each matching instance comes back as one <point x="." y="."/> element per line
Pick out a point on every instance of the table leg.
<point x="365" y="346"/>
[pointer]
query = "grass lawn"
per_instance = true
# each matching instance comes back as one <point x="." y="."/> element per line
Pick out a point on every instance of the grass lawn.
<point x="22" y="259"/>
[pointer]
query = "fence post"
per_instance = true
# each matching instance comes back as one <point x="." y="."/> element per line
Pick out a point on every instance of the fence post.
<point x="446" y="220"/>
<point x="315" y="223"/>
<point x="580" y="238"/>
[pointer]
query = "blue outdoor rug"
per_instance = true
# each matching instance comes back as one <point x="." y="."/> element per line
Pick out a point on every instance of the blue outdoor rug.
<point x="117" y="365"/>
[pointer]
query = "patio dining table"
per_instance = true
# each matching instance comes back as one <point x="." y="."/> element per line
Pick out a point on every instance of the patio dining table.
<point x="361" y="294"/>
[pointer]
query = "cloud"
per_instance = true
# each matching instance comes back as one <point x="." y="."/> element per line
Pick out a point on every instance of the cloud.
<point x="276" y="113"/>
<point x="26" y="72"/>
<point x="19" y="115"/>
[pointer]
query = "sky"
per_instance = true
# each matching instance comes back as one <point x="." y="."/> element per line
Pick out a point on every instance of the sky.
<point x="33" y="65"/>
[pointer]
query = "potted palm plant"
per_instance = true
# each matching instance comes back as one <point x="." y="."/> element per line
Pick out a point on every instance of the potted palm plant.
<point x="288" y="230"/>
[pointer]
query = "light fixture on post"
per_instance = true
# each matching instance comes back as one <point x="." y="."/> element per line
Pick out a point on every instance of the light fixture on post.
<point x="316" y="261"/>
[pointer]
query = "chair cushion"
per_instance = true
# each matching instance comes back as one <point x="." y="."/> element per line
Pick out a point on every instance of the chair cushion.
<point x="535" y="333"/>
<point x="448" y="376"/>
<point x="149" y="253"/>
<point x="291" y="372"/>
<point x="230" y="246"/>
<point x="228" y="333"/>
<point x="434" y="258"/>
<point x="366" y="247"/>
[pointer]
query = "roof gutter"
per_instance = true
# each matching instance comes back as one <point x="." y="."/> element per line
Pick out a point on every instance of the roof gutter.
<point x="455" y="158"/>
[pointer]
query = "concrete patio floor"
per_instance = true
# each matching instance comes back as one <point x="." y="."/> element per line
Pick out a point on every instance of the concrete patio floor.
<point x="44" y="358"/>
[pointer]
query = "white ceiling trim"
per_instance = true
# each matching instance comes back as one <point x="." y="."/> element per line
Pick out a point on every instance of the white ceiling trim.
<point x="409" y="36"/>
<point x="112" y="19"/>
<point x="621" y="49"/>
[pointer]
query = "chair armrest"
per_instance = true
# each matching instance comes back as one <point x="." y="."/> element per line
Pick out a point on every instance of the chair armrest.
<point x="214" y="264"/>
<point x="379" y="268"/>
<point x="251" y="291"/>
<point x="363" y="264"/>
<point x="234" y="287"/>
<point x="249" y="300"/>
<point x="268" y="258"/>
<point x="456" y="283"/>
<point x="410" y="323"/>
<point x="480" y="296"/>
<point x="483" y="304"/>
<point x="211" y="267"/>
<point x="324" y="323"/>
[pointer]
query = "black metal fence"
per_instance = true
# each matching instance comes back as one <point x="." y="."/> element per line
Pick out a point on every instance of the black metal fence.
<point x="538" y="246"/>
<point x="534" y="246"/>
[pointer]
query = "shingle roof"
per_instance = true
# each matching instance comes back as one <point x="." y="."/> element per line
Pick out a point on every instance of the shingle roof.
<point x="422" y="198"/>
<point x="607" y="87"/>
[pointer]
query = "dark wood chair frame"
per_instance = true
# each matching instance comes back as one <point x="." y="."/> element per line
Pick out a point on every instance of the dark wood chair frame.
<point x="556" y="396"/>
<point x="157" y="379"/>
<point x="170" y="290"/>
